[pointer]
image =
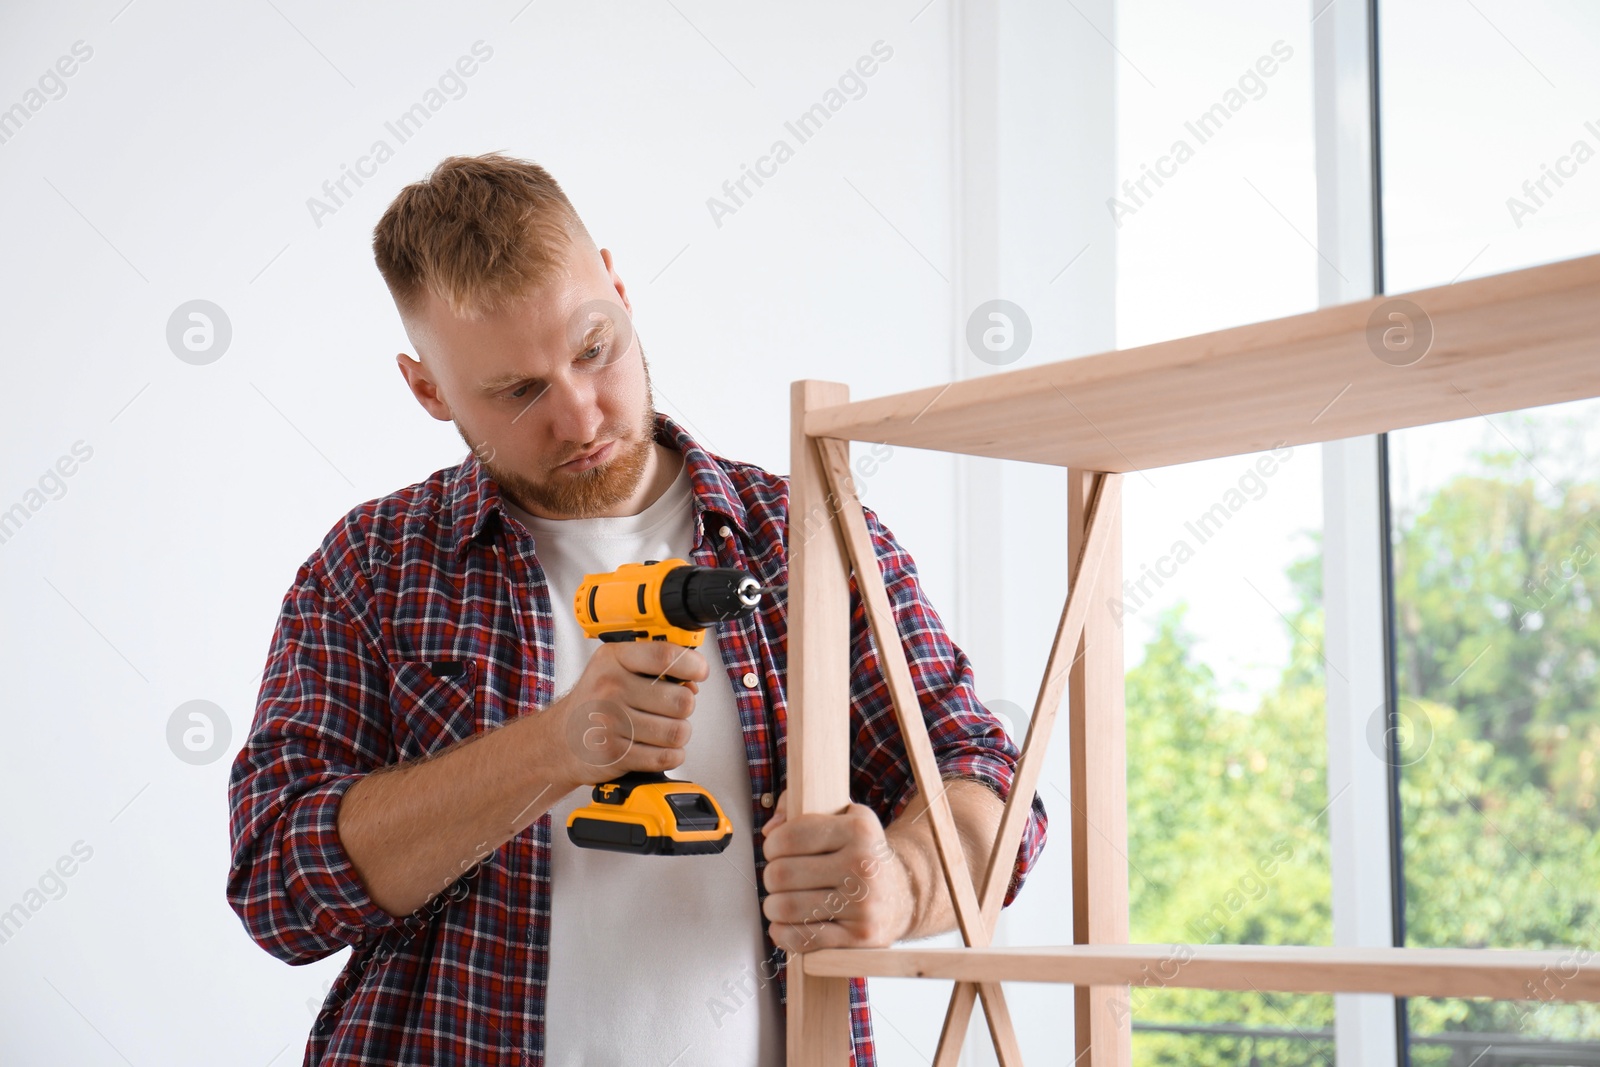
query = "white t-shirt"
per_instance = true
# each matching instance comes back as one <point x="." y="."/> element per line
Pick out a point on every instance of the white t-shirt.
<point x="653" y="959"/>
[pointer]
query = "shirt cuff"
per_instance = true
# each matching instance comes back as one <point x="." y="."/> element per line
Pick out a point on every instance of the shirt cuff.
<point x="318" y="874"/>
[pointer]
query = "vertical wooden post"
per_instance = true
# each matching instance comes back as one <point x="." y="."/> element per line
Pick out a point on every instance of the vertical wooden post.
<point x="1099" y="789"/>
<point x="818" y="692"/>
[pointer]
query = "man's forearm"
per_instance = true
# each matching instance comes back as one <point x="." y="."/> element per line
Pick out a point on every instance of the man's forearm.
<point x="976" y="812"/>
<point x="412" y="829"/>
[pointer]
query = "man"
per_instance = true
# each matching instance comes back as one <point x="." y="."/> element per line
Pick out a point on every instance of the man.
<point x="431" y="711"/>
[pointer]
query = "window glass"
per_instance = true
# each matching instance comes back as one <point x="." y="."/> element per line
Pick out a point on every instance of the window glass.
<point x="1496" y="542"/>
<point x="1490" y="126"/>
<point x="1221" y="610"/>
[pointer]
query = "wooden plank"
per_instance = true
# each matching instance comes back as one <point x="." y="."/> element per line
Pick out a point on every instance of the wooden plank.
<point x="1098" y="760"/>
<point x="1508" y="341"/>
<point x="1503" y="974"/>
<point x="1106" y="501"/>
<point x="957" y="1017"/>
<point x="1001" y="1030"/>
<point x="1104" y="512"/>
<point x="834" y="457"/>
<point x="818" y="690"/>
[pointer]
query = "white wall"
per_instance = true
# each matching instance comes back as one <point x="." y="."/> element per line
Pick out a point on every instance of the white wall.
<point x="176" y="165"/>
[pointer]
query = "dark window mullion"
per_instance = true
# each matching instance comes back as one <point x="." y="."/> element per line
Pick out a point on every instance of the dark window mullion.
<point x="1397" y="876"/>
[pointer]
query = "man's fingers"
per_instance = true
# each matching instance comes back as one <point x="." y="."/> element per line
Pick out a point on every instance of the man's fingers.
<point x="662" y="731"/>
<point x="807" y="835"/>
<point x="672" y="701"/>
<point x="797" y="873"/>
<point x="812" y="905"/>
<point x="808" y="937"/>
<point x="667" y="662"/>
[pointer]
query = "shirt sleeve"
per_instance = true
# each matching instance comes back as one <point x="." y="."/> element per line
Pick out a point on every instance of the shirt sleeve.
<point x="968" y="740"/>
<point x="318" y="728"/>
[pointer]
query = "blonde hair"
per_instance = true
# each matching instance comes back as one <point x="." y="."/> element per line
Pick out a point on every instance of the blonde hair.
<point x="476" y="232"/>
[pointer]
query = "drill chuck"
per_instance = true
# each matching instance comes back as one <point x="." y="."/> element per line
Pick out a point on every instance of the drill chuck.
<point x="693" y="597"/>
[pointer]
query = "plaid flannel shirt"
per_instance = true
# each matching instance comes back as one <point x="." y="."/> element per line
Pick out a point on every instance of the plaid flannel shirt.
<point x="424" y="618"/>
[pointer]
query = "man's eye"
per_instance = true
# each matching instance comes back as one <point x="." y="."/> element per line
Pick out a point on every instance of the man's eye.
<point x="590" y="355"/>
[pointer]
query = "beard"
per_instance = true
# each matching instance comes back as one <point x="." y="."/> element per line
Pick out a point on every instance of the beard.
<point x="585" y="493"/>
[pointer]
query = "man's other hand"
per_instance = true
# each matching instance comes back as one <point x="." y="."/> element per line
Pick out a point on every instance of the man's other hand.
<point x="834" y="881"/>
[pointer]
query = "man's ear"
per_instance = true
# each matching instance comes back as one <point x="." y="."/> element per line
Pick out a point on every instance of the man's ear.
<point x="616" y="281"/>
<point x="422" y="387"/>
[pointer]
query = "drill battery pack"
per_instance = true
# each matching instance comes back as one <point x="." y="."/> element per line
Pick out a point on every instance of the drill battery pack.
<point x="647" y="813"/>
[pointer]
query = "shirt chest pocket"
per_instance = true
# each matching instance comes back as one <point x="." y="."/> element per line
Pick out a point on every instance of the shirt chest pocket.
<point x="434" y="704"/>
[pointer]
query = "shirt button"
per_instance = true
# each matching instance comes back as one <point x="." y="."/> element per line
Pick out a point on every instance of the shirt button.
<point x="723" y="531"/>
<point x="766" y="800"/>
<point x="750" y="679"/>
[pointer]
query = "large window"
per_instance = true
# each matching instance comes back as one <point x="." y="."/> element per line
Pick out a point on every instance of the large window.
<point x="1490" y="125"/>
<point x="1221" y="608"/>
<point x="1496" y="544"/>
<point x="1489" y="145"/>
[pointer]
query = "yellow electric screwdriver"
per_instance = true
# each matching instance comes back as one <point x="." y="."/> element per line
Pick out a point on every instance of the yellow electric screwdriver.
<point x="646" y="812"/>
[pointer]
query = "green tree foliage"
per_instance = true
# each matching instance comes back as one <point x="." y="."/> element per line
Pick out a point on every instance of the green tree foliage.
<point x="1496" y="649"/>
<point x="1227" y="842"/>
<point x="1496" y="641"/>
<point x="1495" y="590"/>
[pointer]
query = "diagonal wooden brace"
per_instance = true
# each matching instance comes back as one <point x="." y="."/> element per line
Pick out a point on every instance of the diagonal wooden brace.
<point x="834" y="459"/>
<point x="1105" y="501"/>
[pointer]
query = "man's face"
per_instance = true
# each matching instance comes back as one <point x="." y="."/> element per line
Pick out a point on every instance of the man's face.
<point x="549" y="378"/>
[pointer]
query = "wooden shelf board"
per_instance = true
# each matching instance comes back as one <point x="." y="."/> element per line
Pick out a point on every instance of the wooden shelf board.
<point x="1521" y="339"/>
<point x="1504" y="974"/>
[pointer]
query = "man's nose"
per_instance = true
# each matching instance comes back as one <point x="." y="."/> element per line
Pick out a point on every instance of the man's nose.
<point x="576" y="415"/>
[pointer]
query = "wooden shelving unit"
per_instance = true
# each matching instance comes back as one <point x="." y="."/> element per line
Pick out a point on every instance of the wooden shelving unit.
<point x="1516" y="340"/>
